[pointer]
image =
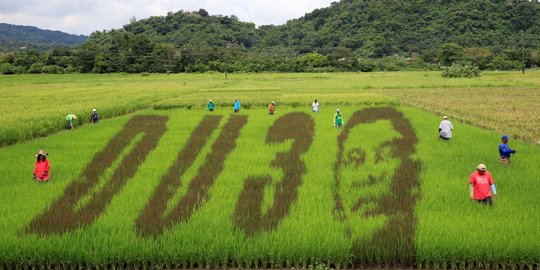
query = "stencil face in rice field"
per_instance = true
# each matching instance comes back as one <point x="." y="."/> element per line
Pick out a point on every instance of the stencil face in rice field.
<point x="376" y="183"/>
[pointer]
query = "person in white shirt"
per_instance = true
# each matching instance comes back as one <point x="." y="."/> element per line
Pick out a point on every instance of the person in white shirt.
<point x="445" y="129"/>
<point x="315" y="106"/>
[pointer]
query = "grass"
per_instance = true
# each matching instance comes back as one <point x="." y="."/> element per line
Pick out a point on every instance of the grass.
<point x="36" y="105"/>
<point x="449" y="230"/>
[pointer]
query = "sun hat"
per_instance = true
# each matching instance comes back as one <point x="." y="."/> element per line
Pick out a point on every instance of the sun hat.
<point x="338" y="110"/>
<point x="41" y="152"/>
<point x="505" y="137"/>
<point x="93" y="110"/>
<point x="74" y="117"/>
<point x="445" y="117"/>
<point x="481" y="167"/>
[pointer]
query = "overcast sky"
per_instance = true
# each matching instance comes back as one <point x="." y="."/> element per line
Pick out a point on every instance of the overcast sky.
<point x="86" y="16"/>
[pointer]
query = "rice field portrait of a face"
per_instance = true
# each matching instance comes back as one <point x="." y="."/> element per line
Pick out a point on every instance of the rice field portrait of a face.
<point x="376" y="183"/>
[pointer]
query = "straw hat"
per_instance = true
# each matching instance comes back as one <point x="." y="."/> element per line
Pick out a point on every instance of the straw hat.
<point x="41" y="152"/>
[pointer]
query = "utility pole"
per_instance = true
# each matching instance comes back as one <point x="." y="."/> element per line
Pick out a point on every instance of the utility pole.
<point x="523" y="51"/>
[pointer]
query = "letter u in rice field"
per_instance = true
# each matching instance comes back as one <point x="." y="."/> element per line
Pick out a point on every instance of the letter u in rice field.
<point x="376" y="184"/>
<point x="154" y="219"/>
<point x="72" y="211"/>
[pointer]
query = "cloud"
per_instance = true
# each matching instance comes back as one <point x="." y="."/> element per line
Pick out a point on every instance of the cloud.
<point x="86" y="16"/>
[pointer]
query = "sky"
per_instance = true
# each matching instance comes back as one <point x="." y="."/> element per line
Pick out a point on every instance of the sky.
<point x="86" y="16"/>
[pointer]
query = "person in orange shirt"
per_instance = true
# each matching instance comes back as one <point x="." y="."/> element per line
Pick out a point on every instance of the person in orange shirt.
<point x="42" y="167"/>
<point x="480" y="184"/>
<point x="272" y="108"/>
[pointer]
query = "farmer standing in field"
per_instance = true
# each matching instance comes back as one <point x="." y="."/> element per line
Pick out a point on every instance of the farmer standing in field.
<point x="480" y="184"/>
<point x="42" y="167"/>
<point x="315" y="106"/>
<point x="338" y="119"/>
<point x="445" y="129"/>
<point x="236" y="105"/>
<point x="69" y="119"/>
<point x="211" y="106"/>
<point x="272" y="108"/>
<point x="94" y="117"/>
<point x="505" y="151"/>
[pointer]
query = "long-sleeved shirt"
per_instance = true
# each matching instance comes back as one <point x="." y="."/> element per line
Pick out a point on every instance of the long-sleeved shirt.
<point x="95" y="117"/>
<point x="338" y="119"/>
<point x="445" y="129"/>
<point x="41" y="170"/>
<point x="504" y="150"/>
<point x="210" y="106"/>
<point x="237" y="105"/>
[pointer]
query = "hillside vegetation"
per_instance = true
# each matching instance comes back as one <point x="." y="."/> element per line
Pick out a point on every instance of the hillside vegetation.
<point x="350" y="35"/>
<point x="13" y="37"/>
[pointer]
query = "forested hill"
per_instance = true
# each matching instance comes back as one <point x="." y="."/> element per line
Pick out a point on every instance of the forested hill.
<point x="349" y="35"/>
<point x="377" y="28"/>
<point x="13" y="37"/>
<point x="374" y="28"/>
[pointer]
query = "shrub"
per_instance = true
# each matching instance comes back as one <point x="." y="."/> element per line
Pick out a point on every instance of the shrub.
<point x="52" y="69"/>
<point x="35" y="68"/>
<point x="6" y="68"/>
<point x="461" y="71"/>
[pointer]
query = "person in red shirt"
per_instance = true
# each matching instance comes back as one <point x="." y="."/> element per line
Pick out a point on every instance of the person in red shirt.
<point x="41" y="170"/>
<point x="481" y="186"/>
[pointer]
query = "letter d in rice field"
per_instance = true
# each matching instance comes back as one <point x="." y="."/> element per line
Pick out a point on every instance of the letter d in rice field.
<point x="68" y="213"/>
<point x="376" y="185"/>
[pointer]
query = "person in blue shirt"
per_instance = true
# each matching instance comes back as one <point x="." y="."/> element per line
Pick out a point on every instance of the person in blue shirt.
<point x="236" y="105"/>
<point x="505" y="151"/>
<point x="211" y="106"/>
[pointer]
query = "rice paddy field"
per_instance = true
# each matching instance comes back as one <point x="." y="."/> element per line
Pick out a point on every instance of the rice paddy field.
<point x="162" y="183"/>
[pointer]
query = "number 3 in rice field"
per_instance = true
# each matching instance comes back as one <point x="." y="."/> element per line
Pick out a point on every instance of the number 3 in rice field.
<point x="298" y="127"/>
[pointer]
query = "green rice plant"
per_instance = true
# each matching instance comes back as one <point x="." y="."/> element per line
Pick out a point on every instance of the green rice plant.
<point x="449" y="230"/>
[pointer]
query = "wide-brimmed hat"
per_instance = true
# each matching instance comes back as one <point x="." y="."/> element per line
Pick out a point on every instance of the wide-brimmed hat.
<point x="481" y="167"/>
<point x="74" y="117"/>
<point x="445" y="117"/>
<point x="41" y="152"/>
<point x="338" y="110"/>
<point x="93" y="110"/>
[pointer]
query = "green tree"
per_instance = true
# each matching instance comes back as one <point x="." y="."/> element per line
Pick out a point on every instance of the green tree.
<point x="312" y="60"/>
<point x="450" y="53"/>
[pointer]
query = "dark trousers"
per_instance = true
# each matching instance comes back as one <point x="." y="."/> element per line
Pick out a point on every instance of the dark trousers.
<point x="446" y="139"/>
<point x="486" y="201"/>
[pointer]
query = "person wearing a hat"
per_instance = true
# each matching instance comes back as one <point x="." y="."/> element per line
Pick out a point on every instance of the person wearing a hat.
<point x="445" y="129"/>
<point x="94" y="117"/>
<point x="481" y="186"/>
<point x="69" y="119"/>
<point x="338" y="119"/>
<point x="42" y="167"/>
<point x="236" y="105"/>
<point x="504" y="151"/>
<point x="210" y="105"/>
<point x="272" y="108"/>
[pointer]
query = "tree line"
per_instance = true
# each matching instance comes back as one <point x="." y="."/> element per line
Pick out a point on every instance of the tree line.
<point x="350" y="35"/>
